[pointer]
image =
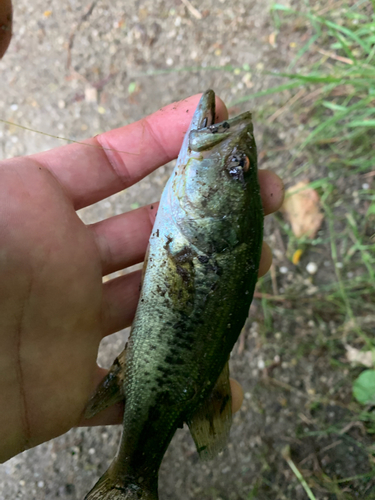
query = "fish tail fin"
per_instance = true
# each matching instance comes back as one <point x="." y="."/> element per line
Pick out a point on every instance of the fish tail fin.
<point x="110" y="487"/>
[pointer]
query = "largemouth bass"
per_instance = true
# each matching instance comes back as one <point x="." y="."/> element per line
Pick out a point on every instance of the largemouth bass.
<point x="198" y="283"/>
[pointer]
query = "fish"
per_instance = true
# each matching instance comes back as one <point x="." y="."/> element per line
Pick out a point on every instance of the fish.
<point x="198" y="281"/>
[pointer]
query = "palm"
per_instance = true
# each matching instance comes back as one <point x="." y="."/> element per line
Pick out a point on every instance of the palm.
<point x="50" y="309"/>
<point x="54" y="308"/>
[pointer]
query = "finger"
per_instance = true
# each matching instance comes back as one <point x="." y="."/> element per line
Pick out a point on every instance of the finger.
<point x="122" y="240"/>
<point x="120" y="299"/>
<point x="5" y="25"/>
<point x="265" y="260"/>
<point x="271" y="191"/>
<point x="121" y="157"/>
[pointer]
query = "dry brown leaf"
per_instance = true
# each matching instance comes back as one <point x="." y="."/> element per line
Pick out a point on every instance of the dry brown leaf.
<point x="272" y="39"/>
<point x="302" y="209"/>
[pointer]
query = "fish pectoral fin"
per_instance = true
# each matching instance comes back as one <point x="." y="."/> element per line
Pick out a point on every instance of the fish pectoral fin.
<point x="210" y="424"/>
<point x="110" y="390"/>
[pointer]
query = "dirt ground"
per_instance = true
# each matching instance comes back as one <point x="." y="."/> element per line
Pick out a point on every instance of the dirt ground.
<point x="75" y="69"/>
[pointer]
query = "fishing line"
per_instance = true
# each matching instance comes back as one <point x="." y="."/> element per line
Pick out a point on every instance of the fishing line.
<point x="65" y="139"/>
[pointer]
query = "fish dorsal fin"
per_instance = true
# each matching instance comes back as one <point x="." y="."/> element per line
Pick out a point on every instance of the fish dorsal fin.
<point x="110" y="390"/>
<point x="210" y="424"/>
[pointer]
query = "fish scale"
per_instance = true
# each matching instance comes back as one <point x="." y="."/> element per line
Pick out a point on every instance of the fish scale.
<point x="198" y="283"/>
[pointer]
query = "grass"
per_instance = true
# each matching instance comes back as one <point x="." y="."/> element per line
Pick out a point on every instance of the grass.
<point x="340" y="79"/>
<point x="297" y="473"/>
<point x="331" y="82"/>
<point x="341" y="132"/>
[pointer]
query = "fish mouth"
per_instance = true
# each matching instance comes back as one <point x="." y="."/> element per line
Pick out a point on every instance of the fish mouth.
<point x="203" y="134"/>
<point x="231" y="125"/>
<point x="233" y="129"/>
<point x="204" y="115"/>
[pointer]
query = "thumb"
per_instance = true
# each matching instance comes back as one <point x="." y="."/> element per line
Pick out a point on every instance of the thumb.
<point x="5" y="25"/>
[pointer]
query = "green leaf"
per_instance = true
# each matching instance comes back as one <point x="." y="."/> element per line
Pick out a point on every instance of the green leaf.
<point x="371" y="209"/>
<point x="132" y="87"/>
<point x="362" y="123"/>
<point x="364" y="387"/>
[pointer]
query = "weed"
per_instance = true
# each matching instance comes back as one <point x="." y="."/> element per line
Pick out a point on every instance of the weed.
<point x="333" y="80"/>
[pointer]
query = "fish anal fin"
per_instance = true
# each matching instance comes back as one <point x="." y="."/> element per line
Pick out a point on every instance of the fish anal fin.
<point x="210" y="424"/>
<point x="110" y="390"/>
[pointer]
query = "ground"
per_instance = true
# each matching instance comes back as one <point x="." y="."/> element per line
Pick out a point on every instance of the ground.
<point x="75" y="69"/>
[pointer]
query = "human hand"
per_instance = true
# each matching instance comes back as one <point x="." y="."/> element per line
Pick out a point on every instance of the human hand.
<point x="54" y="308"/>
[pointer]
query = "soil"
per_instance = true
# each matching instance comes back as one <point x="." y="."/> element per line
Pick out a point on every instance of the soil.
<point x="75" y="69"/>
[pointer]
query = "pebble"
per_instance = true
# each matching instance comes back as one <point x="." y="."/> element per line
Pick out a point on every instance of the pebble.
<point x="312" y="267"/>
<point x="91" y="94"/>
<point x="261" y="364"/>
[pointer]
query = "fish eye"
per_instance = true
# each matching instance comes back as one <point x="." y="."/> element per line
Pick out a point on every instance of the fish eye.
<point x="235" y="172"/>
<point x="240" y="161"/>
<point x="245" y="163"/>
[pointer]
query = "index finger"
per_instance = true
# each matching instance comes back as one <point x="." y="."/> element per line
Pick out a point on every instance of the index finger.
<point x="121" y="157"/>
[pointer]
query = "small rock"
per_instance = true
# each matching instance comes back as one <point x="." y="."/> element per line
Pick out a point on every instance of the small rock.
<point x="312" y="267"/>
<point x="91" y="94"/>
<point x="261" y="364"/>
